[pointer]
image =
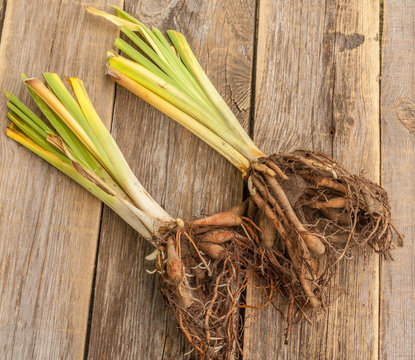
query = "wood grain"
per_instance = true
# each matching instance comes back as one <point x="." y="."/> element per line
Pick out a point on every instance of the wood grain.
<point x="2" y="14"/>
<point x="317" y="87"/>
<point x="130" y="320"/>
<point x="398" y="156"/>
<point x="48" y="224"/>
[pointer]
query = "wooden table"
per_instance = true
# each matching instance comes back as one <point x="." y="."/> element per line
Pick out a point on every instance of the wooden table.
<point x="298" y="74"/>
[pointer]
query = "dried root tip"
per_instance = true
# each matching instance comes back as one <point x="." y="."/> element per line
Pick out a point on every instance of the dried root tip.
<point x="320" y="165"/>
<point x="277" y="169"/>
<point x="185" y="295"/>
<point x="268" y="234"/>
<point x="263" y="206"/>
<point x="400" y="235"/>
<point x="263" y="168"/>
<point x="218" y="236"/>
<point x="240" y="209"/>
<point x="289" y="318"/>
<point x="251" y="210"/>
<point x="312" y="299"/>
<point x="174" y="270"/>
<point x="336" y="203"/>
<point x="314" y="244"/>
<point x="214" y="251"/>
<point x="175" y="274"/>
<point x="227" y="218"/>
<point x="336" y="215"/>
<point x="372" y="205"/>
<point x="259" y="201"/>
<point x="174" y="265"/>
<point x="326" y="182"/>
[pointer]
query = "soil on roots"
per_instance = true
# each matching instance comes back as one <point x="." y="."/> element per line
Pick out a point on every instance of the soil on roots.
<point x="321" y="213"/>
<point x="204" y="269"/>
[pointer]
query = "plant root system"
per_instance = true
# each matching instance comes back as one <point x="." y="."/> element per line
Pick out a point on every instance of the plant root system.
<point x="319" y="213"/>
<point x="204" y="267"/>
<point x="305" y="214"/>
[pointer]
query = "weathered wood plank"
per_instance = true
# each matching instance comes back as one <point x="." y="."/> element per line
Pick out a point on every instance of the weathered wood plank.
<point x="2" y="14"/>
<point x="48" y="224"/>
<point x="317" y="87"/>
<point x="130" y="320"/>
<point x="398" y="174"/>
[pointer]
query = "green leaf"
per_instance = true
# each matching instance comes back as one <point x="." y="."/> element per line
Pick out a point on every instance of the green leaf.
<point x="59" y="89"/>
<point x="186" y="86"/>
<point x="139" y="58"/>
<point x="33" y="135"/>
<point x="221" y="146"/>
<point x="249" y="149"/>
<point x="129" y="213"/>
<point x="24" y="109"/>
<point x="167" y="93"/>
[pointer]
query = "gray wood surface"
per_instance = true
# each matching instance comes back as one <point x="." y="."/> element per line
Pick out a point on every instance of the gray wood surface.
<point x="317" y="88"/>
<point x="48" y="224"/>
<point x="72" y="274"/>
<point x="398" y="174"/>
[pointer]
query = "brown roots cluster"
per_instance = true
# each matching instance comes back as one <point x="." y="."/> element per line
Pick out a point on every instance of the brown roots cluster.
<point x="205" y="266"/>
<point x="310" y="213"/>
<point x="313" y="213"/>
